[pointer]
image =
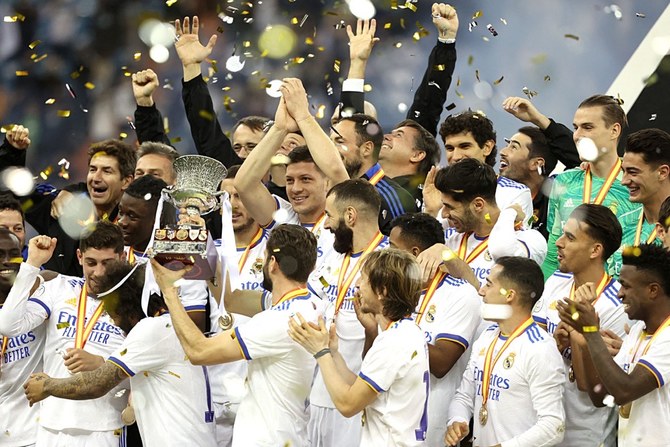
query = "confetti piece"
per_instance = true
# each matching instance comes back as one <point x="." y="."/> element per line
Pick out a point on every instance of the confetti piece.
<point x="89" y="85"/>
<point x="37" y="59"/>
<point x="472" y="25"/>
<point x="492" y="30"/>
<point x="397" y="44"/>
<point x="50" y="101"/>
<point x="575" y="316"/>
<point x="477" y="14"/>
<point x="62" y="325"/>
<point x="341" y="24"/>
<point x="394" y="4"/>
<point x="137" y="56"/>
<point x="410" y="6"/>
<point x="63" y="113"/>
<point x="547" y="78"/>
<point x="477" y="75"/>
<point x="123" y="352"/>
<point x="640" y="15"/>
<point x="504" y="22"/>
<point x="571" y="36"/>
<point x="304" y="19"/>
<point x="15" y="18"/>
<point x="123" y="136"/>
<point x="174" y="373"/>
<point x="329" y="88"/>
<point x="321" y="111"/>
<point x="21" y="73"/>
<point x="367" y="88"/>
<point x="499" y="80"/>
<point x="485" y="39"/>
<point x="33" y="44"/>
<point x="294" y="21"/>
<point x="459" y="94"/>
<point x="336" y="65"/>
<point x="387" y="25"/>
<point x="528" y="92"/>
<point x="653" y="117"/>
<point x="70" y="90"/>
<point x="487" y="218"/>
<point x="471" y="59"/>
<point x="451" y="106"/>
<point x="170" y="2"/>
<point x="175" y="140"/>
<point x="440" y="67"/>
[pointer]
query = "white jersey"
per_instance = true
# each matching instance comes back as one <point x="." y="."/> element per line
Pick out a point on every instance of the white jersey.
<point x="274" y="411"/>
<point x="396" y="367"/>
<point x="21" y="357"/>
<point x="452" y="314"/>
<point x="585" y="424"/>
<point x="171" y="397"/>
<point x="532" y="245"/>
<point x="350" y="332"/>
<point x="58" y="303"/>
<point x="648" y="423"/>
<point x="525" y="404"/>
<point x="251" y="272"/>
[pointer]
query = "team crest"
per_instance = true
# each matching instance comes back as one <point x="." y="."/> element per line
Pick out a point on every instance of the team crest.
<point x="257" y="266"/>
<point x="487" y="256"/>
<point x="509" y="361"/>
<point x="430" y="315"/>
<point x="481" y="353"/>
<point x="71" y="301"/>
<point x="552" y="306"/>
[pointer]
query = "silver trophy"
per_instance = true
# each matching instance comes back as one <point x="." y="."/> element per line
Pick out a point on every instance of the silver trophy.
<point x="196" y="190"/>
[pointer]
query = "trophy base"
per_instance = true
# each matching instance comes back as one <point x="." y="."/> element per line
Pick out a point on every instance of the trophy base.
<point x="175" y="255"/>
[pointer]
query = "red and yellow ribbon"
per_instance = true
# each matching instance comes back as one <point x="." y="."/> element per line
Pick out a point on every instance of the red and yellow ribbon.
<point x="604" y="281"/>
<point x="434" y="284"/>
<point x="609" y="181"/>
<point x="343" y="283"/>
<point x="377" y="177"/>
<point x="318" y="223"/>
<point x="290" y="295"/>
<point x="84" y="330"/>
<point x="479" y="249"/>
<point x="243" y="259"/>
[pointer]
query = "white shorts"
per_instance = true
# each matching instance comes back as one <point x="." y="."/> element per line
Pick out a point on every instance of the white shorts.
<point x="78" y="438"/>
<point x="328" y="428"/>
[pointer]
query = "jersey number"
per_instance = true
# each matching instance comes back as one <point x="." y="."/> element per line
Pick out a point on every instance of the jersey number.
<point x="423" y="425"/>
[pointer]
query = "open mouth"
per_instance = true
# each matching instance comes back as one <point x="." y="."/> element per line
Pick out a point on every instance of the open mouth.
<point x="503" y="164"/>
<point x="298" y="199"/>
<point x="98" y="191"/>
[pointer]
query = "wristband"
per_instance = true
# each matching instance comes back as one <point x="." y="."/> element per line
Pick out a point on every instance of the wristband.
<point x="446" y="40"/>
<point x="322" y="352"/>
<point x="588" y="329"/>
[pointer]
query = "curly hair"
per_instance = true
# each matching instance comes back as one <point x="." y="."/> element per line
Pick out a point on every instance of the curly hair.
<point x="421" y="229"/>
<point x="653" y="259"/>
<point x="477" y="124"/>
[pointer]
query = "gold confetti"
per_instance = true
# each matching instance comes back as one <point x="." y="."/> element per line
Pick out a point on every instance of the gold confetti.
<point x="547" y="78"/>
<point x="89" y="85"/>
<point x="123" y="352"/>
<point x="175" y="140"/>
<point x="15" y="18"/>
<point x="367" y="88"/>
<point x="37" y="59"/>
<point x="397" y="44"/>
<point x="336" y="65"/>
<point x="503" y="21"/>
<point x="410" y="6"/>
<point x="477" y="14"/>
<point x="471" y="59"/>
<point x="320" y="113"/>
<point x="487" y="218"/>
<point x="63" y="113"/>
<point x="309" y="41"/>
<point x="394" y="4"/>
<point x="170" y="2"/>
<point x="294" y="21"/>
<point x="571" y="36"/>
<point x="62" y="325"/>
<point x="503" y="291"/>
<point x="387" y="25"/>
<point x="123" y="135"/>
<point x="575" y="316"/>
<point x="458" y="81"/>
<point x="402" y="22"/>
<point x="416" y="36"/>
<point x="499" y="80"/>
<point x="448" y="255"/>
<point x="440" y="67"/>
<point x="33" y="44"/>
<point x="137" y="56"/>
<point x="21" y="73"/>
<point x="459" y="94"/>
<point x="50" y="101"/>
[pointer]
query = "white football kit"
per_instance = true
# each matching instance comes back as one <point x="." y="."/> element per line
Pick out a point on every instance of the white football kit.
<point x="274" y="410"/>
<point x="58" y="301"/>
<point x="171" y="397"/>
<point x="525" y="403"/>
<point x="585" y="424"/>
<point x="396" y="367"/>
<point x="648" y="424"/>
<point x="452" y="314"/>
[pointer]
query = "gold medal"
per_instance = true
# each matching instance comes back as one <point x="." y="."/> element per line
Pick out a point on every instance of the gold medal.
<point x="571" y="374"/>
<point x="624" y="410"/>
<point x="128" y="415"/>
<point x="226" y="321"/>
<point x="483" y="415"/>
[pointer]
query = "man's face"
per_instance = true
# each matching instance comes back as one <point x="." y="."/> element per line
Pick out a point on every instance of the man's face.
<point x="10" y="260"/>
<point x="588" y="122"/>
<point x="290" y="142"/>
<point x="634" y="292"/>
<point x="398" y="147"/>
<point x="345" y="141"/>
<point x="463" y="145"/>
<point x="493" y="292"/>
<point x="514" y="162"/>
<point x="104" y="182"/>
<point x="156" y="165"/>
<point x="245" y="140"/>
<point x="94" y="262"/>
<point x="458" y="213"/>
<point x="344" y="235"/>
<point x="641" y="179"/>
<point x="306" y="187"/>
<point x="12" y="220"/>
<point x="136" y="219"/>
<point x="663" y="234"/>
<point x="241" y="219"/>
<point x="574" y="247"/>
<point x="369" y="300"/>
<point x="397" y="240"/>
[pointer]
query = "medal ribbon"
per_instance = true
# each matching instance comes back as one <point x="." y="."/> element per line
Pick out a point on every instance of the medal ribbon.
<point x="318" y="222"/>
<point x="586" y="198"/>
<point x="604" y="281"/>
<point x="83" y="331"/>
<point x="131" y="256"/>
<point x="434" y="284"/>
<point x="290" y="295"/>
<point x="343" y="283"/>
<point x="479" y="249"/>
<point x="638" y="231"/>
<point x="489" y="364"/>
<point x="5" y="341"/>
<point x="257" y="237"/>
<point x="378" y="176"/>
<point x="663" y="325"/>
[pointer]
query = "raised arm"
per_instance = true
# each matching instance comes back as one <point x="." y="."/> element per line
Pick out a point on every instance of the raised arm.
<point x="431" y="94"/>
<point x="206" y="131"/>
<point x="148" y="119"/>
<point x="360" y="47"/>
<point x="13" y="148"/>
<point x="323" y="151"/>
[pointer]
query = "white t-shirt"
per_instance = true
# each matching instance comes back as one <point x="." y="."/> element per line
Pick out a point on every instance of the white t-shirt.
<point x="57" y="302"/>
<point x="648" y="424"/>
<point x="525" y="404"/>
<point x="396" y="367"/>
<point x="21" y="358"/>
<point x="251" y="274"/>
<point x="585" y="424"/>
<point x="274" y="411"/>
<point x="171" y="397"/>
<point x="452" y="314"/>
<point x="350" y="332"/>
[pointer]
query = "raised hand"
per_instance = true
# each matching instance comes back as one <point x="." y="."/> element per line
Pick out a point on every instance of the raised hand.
<point x="445" y="20"/>
<point x="524" y="110"/>
<point x="166" y="278"/>
<point x="283" y="119"/>
<point x="295" y="98"/>
<point x="145" y="82"/>
<point x="18" y="137"/>
<point x="361" y="42"/>
<point x="432" y="197"/>
<point x="40" y="250"/>
<point x="188" y="46"/>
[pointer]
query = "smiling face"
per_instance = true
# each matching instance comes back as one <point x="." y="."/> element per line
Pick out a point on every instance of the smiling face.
<point x="459" y="214"/>
<point x="94" y="262"/>
<point x="398" y="147"/>
<point x="514" y="162"/>
<point x="634" y="292"/>
<point x="344" y="138"/>
<point x="306" y="188"/>
<point x="13" y="221"/>
<point x="10" y="261"/>
<point x="641" y="179"/>
<point x="241" y="219"/>
<point x="104" y="182"/>
<point x="369" y="300"/>
<point x="463" y="145"/>
<point x="136" y="220"/>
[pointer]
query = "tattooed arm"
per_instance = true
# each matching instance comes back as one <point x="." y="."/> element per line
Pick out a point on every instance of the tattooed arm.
<point x="81" y="386"/>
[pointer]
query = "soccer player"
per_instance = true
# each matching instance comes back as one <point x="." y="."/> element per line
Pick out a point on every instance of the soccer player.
<point x="448" y="313"/>
<point x="352" y="210"/>
<point x="663" y="223"/>
<point x="590" y="237"/>
<point x="20" y="356"/>
<point x="79" y="335"/>
<point x="171" y="397"/>
<point x="392" y="385"/>
<point x="13" y="219"/>
<point x="646" y="174"/>
<point x="601" y="119"/>
<point x="484" y="232"/>
<point x="636" y="378"/>
<point x="280" y="372"/>
<point x="513" y="384"/>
